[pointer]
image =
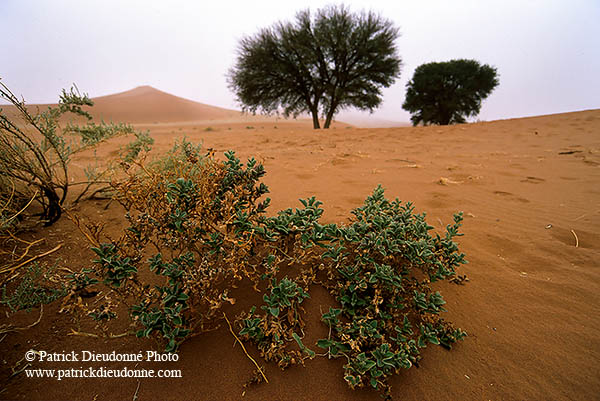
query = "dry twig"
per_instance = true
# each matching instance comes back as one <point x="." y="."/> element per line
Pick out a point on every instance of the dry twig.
<point x="84" y="334"/>
<point x="10" y="269"/>
<point x="576" y="239"/>
<point x="244" y="348"/>
<point x="135" y="395"/>
<point x="9" y="328"/>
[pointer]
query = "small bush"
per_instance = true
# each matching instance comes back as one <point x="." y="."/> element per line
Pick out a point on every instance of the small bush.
<point x="379" y="269"/>
<point x="34" y="289"/>
<point x="198" y="225"/>
<point x="35" y="155"/>
<point x="192" y="212"/>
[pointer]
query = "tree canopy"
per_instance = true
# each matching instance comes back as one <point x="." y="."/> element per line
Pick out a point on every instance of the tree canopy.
<point x="448" y="92"/>
<point x="317" y="64"/>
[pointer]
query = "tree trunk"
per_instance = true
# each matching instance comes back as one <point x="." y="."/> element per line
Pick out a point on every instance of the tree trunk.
<point x="329" y="117"/>
<point x="53" y="211"/>
<point x="328" y="120"/>
<point x="315" y="117"/>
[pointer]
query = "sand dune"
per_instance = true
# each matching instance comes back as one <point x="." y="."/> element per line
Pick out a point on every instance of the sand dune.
<point x="146" y="104"/>
<point x="529" y="189"/>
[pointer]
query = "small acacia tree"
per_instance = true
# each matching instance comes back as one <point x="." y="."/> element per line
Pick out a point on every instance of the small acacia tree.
<point x="448" y="92"/>
<point x="320" y="65"/>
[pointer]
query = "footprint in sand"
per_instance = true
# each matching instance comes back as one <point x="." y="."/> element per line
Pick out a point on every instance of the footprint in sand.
<point x="533" y="180"/>
<point x="591" y="162"/>
<point x="305" y="176"/>
<point x="511" y="196"/>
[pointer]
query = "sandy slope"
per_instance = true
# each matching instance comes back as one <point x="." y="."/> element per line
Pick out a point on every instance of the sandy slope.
<point x="147" y="104"/>
<point x="528" y="187"/>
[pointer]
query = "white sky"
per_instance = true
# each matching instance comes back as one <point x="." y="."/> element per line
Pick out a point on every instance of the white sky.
<point x="547" y="52"/>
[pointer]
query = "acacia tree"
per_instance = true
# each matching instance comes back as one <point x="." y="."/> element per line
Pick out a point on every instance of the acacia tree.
<point x="320" y="65"/>
<point x="447" y="92"/>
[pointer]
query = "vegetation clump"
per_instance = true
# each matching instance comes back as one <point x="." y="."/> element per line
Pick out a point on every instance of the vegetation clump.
<point x="33" y="289"/>
<point x="197" y="229"/>
<point x="191" y="214"/>
<point x="379" y="269"/>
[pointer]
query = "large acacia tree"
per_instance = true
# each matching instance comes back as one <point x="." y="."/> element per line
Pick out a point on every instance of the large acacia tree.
<point x="448" y="92"/>
<point x="319" y="64"/>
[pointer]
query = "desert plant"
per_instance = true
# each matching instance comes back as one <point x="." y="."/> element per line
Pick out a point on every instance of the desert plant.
<point x="197" y="224"/>
<point x="379" y="268"/>
<point x="387" y="310"/>
<point x="193" y="212"/>
<point x="448" y="92"/>
<point x="35" y="153"/>
<point x="319" y="65"/>
<point x="34" y="288"/>
<point x="272" y="334"/>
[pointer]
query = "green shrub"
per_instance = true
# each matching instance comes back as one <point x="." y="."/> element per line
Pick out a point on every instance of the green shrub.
<point x="199" y="225"/>
<point x="33" y="290"/>
<point x="379" y="269"/>
<point x="279" y="325"/>
<point x="192" y="212"/>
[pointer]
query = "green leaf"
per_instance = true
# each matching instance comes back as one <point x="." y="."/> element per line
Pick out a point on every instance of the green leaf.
<point x="310" y="352"/>
<point x="324" y="343"/>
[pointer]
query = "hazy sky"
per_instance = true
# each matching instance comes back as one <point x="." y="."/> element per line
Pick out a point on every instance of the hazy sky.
<point x="547" y="52"/>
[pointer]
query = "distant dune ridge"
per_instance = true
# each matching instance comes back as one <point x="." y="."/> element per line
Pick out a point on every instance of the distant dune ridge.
<point x="147" y="104"/>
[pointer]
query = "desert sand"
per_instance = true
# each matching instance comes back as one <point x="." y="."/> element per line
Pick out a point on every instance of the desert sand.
<point x="529" y="189"/>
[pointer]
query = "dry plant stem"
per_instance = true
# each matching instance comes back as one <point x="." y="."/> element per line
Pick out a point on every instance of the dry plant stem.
<point x="9" y="328"/>
<point x="244" y="348"/>
<point x="11" y="235"/>
<point x="24" y="207"/>
<point x="16" y="372"/>
<point x="77" y="222"/>
<point x="87" y="188"/>
<point x="576" y="239"/>
<point x="135" y="395"/>
<point x="12" y="269"/>
<point x="30" y="244"/>
<point x="12" y="194"/>
<point x="83" y="334"/>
